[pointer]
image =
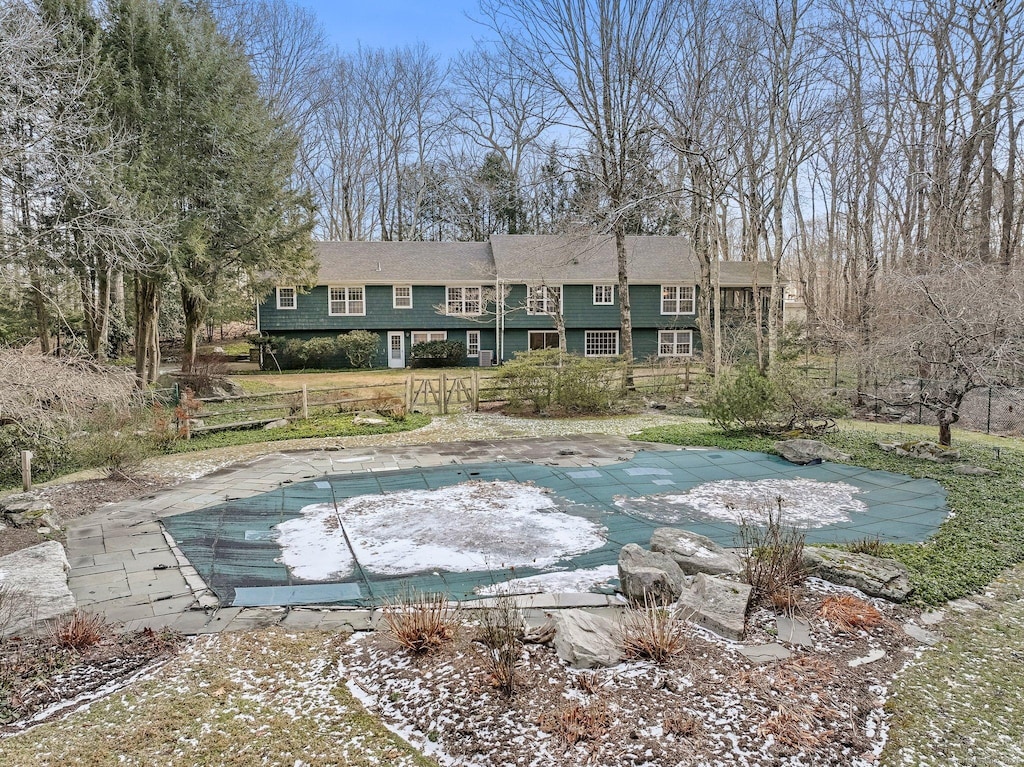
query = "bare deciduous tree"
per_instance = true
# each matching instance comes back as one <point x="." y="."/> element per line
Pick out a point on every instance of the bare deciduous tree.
<point x="597" y="56"/>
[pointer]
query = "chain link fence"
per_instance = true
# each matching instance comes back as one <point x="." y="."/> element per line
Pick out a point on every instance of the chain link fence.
<point x="992" y="409"/>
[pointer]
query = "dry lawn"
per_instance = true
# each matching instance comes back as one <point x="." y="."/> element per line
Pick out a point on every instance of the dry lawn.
<point x="235" y="700"/>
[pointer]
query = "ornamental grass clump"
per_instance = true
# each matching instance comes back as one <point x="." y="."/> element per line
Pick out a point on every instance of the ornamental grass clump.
<point x="421" y="622"/>
<point x="653" y="632"/>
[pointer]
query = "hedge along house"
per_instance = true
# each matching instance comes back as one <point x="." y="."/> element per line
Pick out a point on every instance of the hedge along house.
<point x="512" y="294"/>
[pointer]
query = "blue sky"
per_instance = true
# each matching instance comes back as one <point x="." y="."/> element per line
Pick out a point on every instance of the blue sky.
<point x="441" y="24"/>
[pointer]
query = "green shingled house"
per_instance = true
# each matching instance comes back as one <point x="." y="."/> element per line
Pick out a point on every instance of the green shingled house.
<point x="502" y="296"/>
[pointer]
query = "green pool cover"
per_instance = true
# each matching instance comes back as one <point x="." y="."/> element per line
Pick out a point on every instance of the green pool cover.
<point x="234" y="545"/>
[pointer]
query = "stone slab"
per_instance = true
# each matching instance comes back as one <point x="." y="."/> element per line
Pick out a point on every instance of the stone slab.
<point x="37" y="581"/>
<point x="922" y="635"/>
<point x="764" y="653"/>
<point x="794" y="631"/>
<point x="717" y="605"/>
<point x="873" y="655"/>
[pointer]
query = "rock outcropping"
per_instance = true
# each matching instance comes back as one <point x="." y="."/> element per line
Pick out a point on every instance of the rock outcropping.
<point x="694" y="553"/>
<point x="875" y="576"/>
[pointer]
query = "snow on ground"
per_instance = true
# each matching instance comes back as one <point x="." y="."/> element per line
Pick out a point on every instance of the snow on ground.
<point x="564" y="582"/>
<point x="806" y="503"/>
<point x="469" y="526"/>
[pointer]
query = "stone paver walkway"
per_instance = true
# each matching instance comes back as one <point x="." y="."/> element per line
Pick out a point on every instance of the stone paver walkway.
<point x="125" y="567"/>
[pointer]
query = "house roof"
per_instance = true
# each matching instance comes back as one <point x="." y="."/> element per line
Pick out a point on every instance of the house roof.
<point x="404" y="262"/>
<point x="554" y="259"/>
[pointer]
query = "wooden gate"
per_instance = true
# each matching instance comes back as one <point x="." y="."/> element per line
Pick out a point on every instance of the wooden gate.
<point x="442" y="392"/>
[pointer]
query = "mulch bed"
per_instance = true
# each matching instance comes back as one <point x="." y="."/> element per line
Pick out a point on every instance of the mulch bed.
<point x="708" y="705"/>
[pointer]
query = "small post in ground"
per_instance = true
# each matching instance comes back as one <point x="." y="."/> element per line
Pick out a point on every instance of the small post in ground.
<point x="26" y="470"/>
<point x="305" y="403"/>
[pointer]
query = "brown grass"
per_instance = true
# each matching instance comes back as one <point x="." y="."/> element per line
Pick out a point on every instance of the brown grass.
<point x="577" y="722"/>
<point x="682" y="725"/>
<point x="588" y="682"/>
<point x="78" y="630"/>
<point x="848" y="613"/>
<point x="795" y="728"/>
<point x="420" y="622"/>
<point x="653" y="633"/>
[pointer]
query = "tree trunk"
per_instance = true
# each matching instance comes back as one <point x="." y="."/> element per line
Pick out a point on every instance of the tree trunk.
<point x="194" y="309"/>
<point x="42" y="313"/>
<point x="147" y="337"/>
<point x="945" y="432"/>
<point x="625" y="315"/>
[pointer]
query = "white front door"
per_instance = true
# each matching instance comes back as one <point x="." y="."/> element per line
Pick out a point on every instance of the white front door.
<point x="396" y="349"/>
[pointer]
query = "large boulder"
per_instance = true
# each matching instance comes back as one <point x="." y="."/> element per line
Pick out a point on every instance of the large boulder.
<point x="33" y="587"/>
<point x="695" y="553"/>
<point x="804" y="451"/>
<point x="369" y="418"/>
<point x="716" y="604"/>
<point x="925" y="450"/>
<point x="586" y="640"/>
<point x="875" y="576"/>
<point x="26" y="510"/>
<point x="649" y="576"/>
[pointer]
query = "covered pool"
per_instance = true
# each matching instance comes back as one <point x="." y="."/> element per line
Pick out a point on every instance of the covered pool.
<point x="362" y="537"/>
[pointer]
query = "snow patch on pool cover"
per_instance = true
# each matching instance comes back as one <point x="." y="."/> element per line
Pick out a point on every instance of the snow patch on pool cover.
<point x="806" y="503"/>
<point x="469" y="526"/>
<point x="562" y="582"/>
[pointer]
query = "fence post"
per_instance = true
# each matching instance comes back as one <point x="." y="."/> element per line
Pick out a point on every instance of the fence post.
<point x="686" y="376"/>
<point x="26" y="470"/>
<point x="305" y="403"/>
<point x="835" y="374"/>
<point x="476" y="390"/>
<point x="408" y="393"/>
<point x="920" y="400"/>
<point x="876" y="398"/>
<point x="988" y="418"/>
<point x="442" y="405"/>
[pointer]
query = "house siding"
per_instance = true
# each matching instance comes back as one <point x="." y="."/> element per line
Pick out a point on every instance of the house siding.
<point x="311" y="313"/>
<point x="378" y="267"/>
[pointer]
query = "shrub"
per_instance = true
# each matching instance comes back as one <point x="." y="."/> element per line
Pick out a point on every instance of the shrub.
<point x="120" y="452"/>
<point x="359" y="347"/>
<point x="438" y="354"/>
<point x="420" y="622"/>
<point x="206" y="369"/>
<point x="745" y="400"/>
<point x="501" y="631"/>
<point x="316" y="352"/>
<point x="773" y="563"/>
<point x="549" y="379"/>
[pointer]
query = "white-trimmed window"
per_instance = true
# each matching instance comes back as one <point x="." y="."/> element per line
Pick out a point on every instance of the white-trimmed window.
<point x="346" y="300"/>
<point x="542" y="339"/>
<point x="401" y="296"/>
<point x="675" y="343"/>
<point x="472" y="343"/>
<point x="463" y="300"/>
<point x="677" y="299"/>
<point x="285" y="297"/>
<point x="543" y="299"/>
<point x="423" y="336"/>
<point x="604" y="295"/>
<point x="601" y="343"/>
